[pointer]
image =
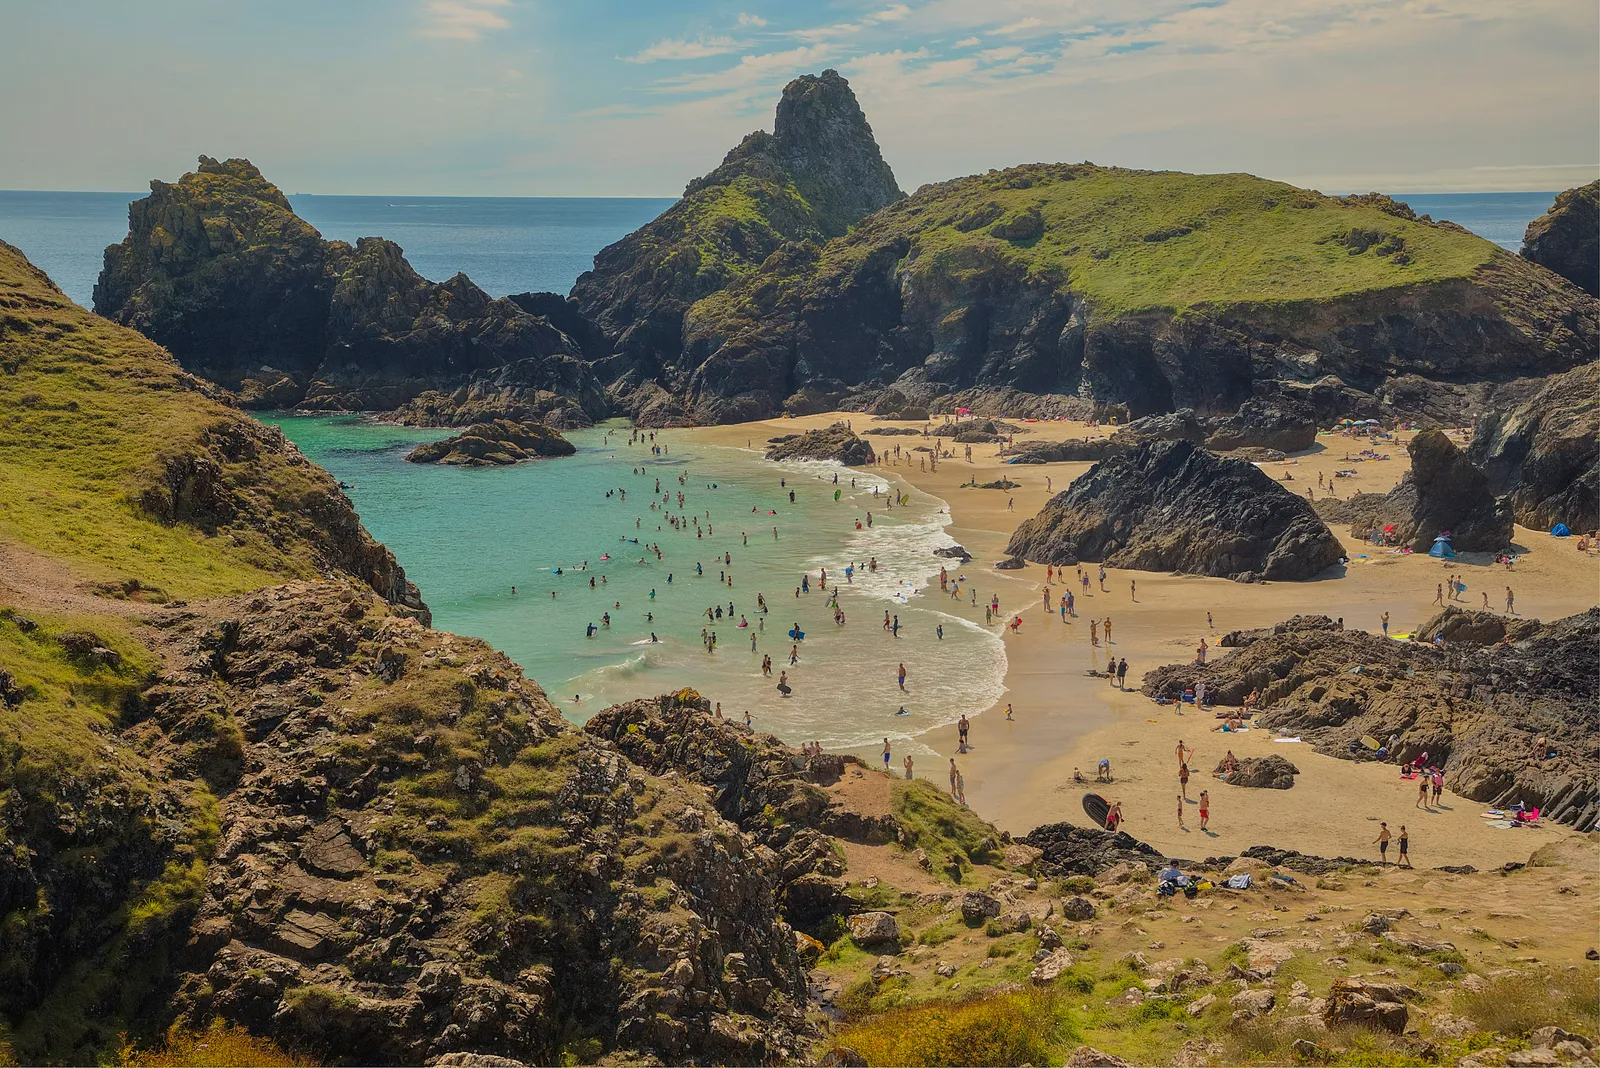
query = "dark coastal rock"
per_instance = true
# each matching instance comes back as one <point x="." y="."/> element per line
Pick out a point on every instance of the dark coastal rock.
<point x="1264" y="773"/>
<point x="219" y="269"/>
<point x="836" y="442"/>
<point x="498" y="443"/>
<point x="1238" y="639"/>
<point x="814" y="176"/>
<point x="1067" y="849"/>
<point x="1442" y="493"/>
<point x="1169" y="506"/>
<point x="1475" y="710"/>
<point x="1542" y="455"/>
<point x="1181" y="425"/>
<point x="1265" y="423"/>
<point x="1054" y="452"/>
<point x="1566" y="239"/>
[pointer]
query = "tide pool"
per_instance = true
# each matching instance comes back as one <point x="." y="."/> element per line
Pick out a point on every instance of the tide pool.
<point x="466" y="536"/>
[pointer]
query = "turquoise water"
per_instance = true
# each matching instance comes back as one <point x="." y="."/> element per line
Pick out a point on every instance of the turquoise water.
<point x="468" y="535"/>
<point x="508" y="244"/>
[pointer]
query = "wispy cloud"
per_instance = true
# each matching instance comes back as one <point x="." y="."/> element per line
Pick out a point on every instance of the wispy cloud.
<point x="892" y="13"/>
<point x="683" y="48"/>
<point x="747" y="19"/>
<point x="966" y="42"/>
<point x="462" y="20"/>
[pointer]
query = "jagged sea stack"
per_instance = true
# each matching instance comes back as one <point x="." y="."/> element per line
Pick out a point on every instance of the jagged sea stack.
<point x="1566" y="239"/>
<point x="814" y="176"/>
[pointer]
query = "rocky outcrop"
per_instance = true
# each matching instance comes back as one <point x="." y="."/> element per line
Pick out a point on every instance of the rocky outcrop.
<point x="1169" y="506"/>
<point x="429" y="860"/>
<point x="773" y="792"/>
<point x="836" y="442"/>
<point x="497" y="443"/>
<point x="219" y="269"/>
<point x="1462" y="626"/>
<point x="814" y="176"/>
<point x="1566" y="239"/>
<point x="1475" y="710"/>
<point x="1441" y="493"/>
<point x="1265" y="423"/>
<point x="1181" y="425"/>
<point x="1263" y="773"/>
<point x="940" y="295"/>
<point x="1541" y="453"/>
<point x="1054" y="452"/>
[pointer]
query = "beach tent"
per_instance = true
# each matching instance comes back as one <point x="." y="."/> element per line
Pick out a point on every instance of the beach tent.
<point x="1441" y="548"/>
<point x="1560" y="530"/>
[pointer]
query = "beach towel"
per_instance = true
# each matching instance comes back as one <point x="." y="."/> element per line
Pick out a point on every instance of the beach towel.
<point x="1240" y="881"/>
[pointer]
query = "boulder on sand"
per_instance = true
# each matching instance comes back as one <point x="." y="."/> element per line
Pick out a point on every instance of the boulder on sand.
<point x="1265" y="423"/>
<point x="836" y="442"/>
<point x="1268" y="772"/>
<point x="1169" y="506"/>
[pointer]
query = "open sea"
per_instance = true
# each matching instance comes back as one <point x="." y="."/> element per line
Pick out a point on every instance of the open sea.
<point x="467" y="536"/>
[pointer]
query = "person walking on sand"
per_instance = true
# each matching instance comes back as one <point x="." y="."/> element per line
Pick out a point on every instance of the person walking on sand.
<point x="1382" y="842"/>
<point x="1094" y="633"/>
<point x="1438" y="594"/>
<point x="1133" y="589"/>
<point x="1181" y="827"/>
<point x="1183" y="780"/>
<point x="1103" y="579"/>
<point x="902" y="677"/>
<point x="886" y="755"/>
<point x="953" y="774"/>
<point x="1205" y="808"/>
<point x="1424" y="783"/>
<point x="1122" y="673"/>
<point x="961" y="789"/>
<point x="1386" y="617"/>
<point x="1106" y="626"/>
<point x="962" y="726"/>
<point x="1436" y="779"/>
<point x="1405" y="845"/>
<point x="1511" y="602"/>
<point x="907" y="764"/>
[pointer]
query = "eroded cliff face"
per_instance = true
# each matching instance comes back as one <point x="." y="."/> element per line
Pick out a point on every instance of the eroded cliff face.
<point x="1152" y="291"/>
<point x="219" y="269"/>
<point x="1566" y="239"/>
<point x="814" y="176"/>
<point x="1544" y="453"/>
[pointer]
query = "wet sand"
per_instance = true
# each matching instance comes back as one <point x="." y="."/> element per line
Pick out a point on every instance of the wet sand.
<point x="1019" y="773"/>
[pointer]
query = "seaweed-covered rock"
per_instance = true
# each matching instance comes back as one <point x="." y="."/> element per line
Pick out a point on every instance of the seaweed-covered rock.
<point x="1566" y="239"/>
<point x="1265" y="423"/>
<point x="497" y="443"/>
<point x="1271" y="772"/>
<point x="1169" y="506"/>
<point x="836" y="442"/>
<point x="1542" y="455"/>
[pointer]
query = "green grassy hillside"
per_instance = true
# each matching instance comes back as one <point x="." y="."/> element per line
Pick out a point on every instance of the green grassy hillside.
<point x="116" y="463"/>
<point x="1133" y="241"/>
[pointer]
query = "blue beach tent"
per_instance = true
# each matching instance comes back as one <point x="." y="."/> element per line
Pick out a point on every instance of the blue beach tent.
<point x="1441" y="548"/>
<point x="1560" y="530"/>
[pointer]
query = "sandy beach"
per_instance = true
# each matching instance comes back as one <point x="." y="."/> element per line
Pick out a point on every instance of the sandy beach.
<point x="1019" y="773"/>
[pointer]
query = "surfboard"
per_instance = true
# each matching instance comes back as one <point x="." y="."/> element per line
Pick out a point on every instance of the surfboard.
<point x="1370" y="742"/>
<point x="785" y="689"/>
<point x="1096" y="808"/>
<point x="797" y="635"/>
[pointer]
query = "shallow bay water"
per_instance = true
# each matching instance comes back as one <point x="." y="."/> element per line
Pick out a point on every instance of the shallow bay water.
<point x="468" y="535"/>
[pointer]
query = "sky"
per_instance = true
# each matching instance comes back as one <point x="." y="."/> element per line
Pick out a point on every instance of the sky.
<point x="635" y="97"/>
